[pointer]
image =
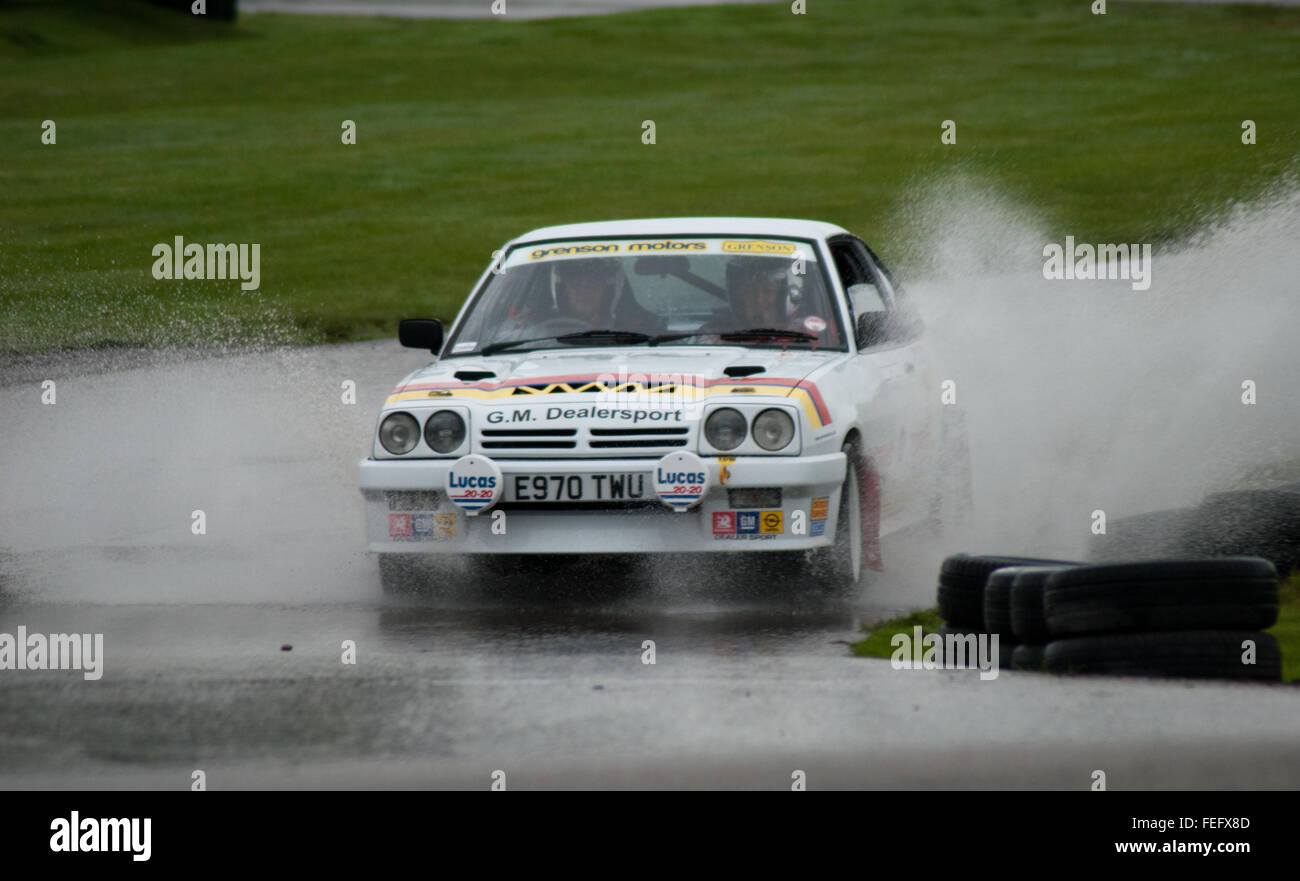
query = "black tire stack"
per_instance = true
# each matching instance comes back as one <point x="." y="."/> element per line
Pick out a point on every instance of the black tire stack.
<point x="962" y="582"/>
<point x="1025" y="615"/>
<point x="1178" y="618"/>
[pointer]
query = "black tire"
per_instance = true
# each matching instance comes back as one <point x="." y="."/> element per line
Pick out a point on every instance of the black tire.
<point x="997" y="602"/>
<point x="1259" y="523"/>
<point x="1193" y="654"/>
<point x="838" y="568"/>
<point x="1146" y="536"/>
<point x="1234" y="593"/>
<point x="1027" y="657"/>
<point x="1026" y="598"/>
<point x="1005" y="649"/>
<point x="961" y="585"/>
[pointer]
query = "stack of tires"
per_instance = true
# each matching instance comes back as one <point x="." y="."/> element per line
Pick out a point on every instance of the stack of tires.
<point x="1180" y="618"/>
<point x="963" y="579"/>
<point x="1192" y="618"/>
<point x="1013" y="606"/>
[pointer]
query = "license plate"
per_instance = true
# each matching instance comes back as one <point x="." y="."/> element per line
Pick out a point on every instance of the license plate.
<point x="578" y="488"/>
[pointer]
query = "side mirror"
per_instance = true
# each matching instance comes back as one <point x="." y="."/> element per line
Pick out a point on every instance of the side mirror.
<point x="420" y="333"/>
<point x="874" y="328"/>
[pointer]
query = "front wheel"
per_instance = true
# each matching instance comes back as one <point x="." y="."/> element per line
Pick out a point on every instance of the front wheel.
<point x="839" y="567"/>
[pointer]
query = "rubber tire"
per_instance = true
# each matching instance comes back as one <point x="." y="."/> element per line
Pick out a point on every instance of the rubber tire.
<point x="833" y="568"/>
<point x="1027" y="657"/>
<point x="1026" y="600"/>
<point x="1261" y="523"/>
<point x="1146" y="536"/>
<point x="1233" y="593"/>
<point x="1192" y="654"/>
<point x="997" y="602"/>
<point x="961" y="585"/>
<point x="1005" y="648"/>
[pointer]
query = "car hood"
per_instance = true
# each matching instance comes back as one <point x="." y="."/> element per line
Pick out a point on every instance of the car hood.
<point x="557" y="372"/>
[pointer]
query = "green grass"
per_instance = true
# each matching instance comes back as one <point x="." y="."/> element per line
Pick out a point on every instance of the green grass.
<point x="876" y="644"/>
<point x="1287" y="628"/>
<point x="1123" y="127"/>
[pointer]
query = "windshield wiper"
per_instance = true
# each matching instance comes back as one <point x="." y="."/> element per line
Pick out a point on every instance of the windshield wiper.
<point x="501" y="346"/>
<point x="620" y="336"/>
<point x="582" y="336"/>
<point x="669" y="337"/>
<point x="767" y="332"/>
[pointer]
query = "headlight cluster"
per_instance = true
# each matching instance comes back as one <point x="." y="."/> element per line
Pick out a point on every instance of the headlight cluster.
<point x="726" y="429"/>
<point x="443" y="432"/>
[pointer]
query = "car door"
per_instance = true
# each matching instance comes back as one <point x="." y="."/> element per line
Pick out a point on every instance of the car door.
<point x="921" y="424"/>
<point x="883" y="354"/>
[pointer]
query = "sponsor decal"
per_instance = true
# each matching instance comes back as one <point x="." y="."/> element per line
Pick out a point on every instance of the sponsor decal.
<point x="667" y="245"/>
<point x="724" y="468"/>
<point x="428" y="526"/>
<point x="747" y="525"/>
<point x="680" y="480"/>
<point x="573" y="250"/>
<point x="399" y="525"/>
<point x="819" y="508"/>
<point x="422" y="526"/>
<point x="756" y="247"/>
<point x="536" y="414"/>
<point x="815" y="323"/>
<point x="444" y="525"/>
<point x="817" y="527"/>
<point x="473" y="483"/>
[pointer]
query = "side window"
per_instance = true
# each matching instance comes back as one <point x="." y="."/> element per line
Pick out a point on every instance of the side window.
<point x="907" y="324"/>
<point x="870" y="303"/>
<point x="848" y="264"/>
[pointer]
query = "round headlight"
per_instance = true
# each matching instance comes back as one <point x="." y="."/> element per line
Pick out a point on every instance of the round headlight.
<point x="399" y="433"/>
<point x="773" y="429"/>
<point x="725" y="429"/>
<point x="445" y="431"/>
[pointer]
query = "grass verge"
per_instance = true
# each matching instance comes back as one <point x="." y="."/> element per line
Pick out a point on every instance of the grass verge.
<point x="1121" y="128"/>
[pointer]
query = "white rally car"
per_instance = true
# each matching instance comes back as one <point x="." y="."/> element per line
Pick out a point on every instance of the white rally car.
<point x="674" y="385"/>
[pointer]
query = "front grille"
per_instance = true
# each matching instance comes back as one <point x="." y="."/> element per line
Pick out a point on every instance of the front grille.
<point x="637" y="444"/>
<point x="527" y="438"/>
<point x="647" y="442"/>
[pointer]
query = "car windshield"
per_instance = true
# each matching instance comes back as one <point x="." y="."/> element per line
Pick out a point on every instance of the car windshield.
<point x="656" y="291"/>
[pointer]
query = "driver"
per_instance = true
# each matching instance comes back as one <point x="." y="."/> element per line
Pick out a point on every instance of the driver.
<point x="759" y="294"/>
<point x="758" y="291"/>
<point x="595" y="291"/>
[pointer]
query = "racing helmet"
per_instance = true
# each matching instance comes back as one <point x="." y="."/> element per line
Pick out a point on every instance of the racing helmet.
<point x="745" y="273"/>
<point x="607" y="270"/>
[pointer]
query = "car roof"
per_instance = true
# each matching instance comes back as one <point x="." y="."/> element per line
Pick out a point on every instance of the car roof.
<point x="662" y="226"/>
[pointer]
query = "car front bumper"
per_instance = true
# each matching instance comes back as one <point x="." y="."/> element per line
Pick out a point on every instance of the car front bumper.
<point x="407" y="510"/>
